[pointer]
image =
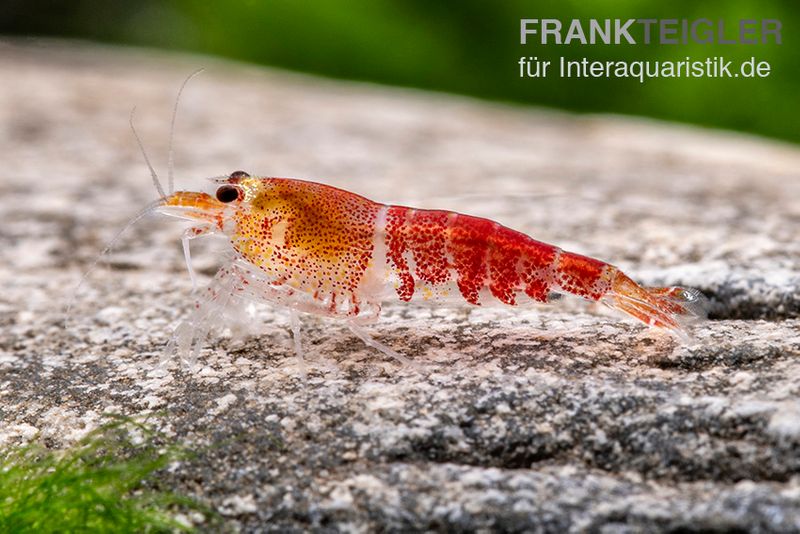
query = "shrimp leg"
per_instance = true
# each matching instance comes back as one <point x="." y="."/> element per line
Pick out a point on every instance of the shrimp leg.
<point x="298" y="344"/>
<point x="189" y="336"/>
<point x="368" y="340"/>
<point x="188" y="235"/>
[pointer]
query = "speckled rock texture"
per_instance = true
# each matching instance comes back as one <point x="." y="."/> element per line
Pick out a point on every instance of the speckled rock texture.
<point x="554" y="419"/>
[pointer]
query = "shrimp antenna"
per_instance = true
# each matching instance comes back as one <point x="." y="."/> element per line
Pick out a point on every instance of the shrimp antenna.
<point x="136" y="218"/>
<point x="148" y="208"/>
<point x="153" y="174"/>
<point x="170" y="159"/>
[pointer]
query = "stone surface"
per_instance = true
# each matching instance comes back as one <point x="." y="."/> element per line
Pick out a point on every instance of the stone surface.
<point x="559" y="418"/>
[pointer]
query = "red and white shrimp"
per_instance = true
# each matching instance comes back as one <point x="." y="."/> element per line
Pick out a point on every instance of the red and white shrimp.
<point x="317" y="249"/>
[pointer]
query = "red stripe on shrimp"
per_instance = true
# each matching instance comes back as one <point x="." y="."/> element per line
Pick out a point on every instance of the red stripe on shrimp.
<point x="396" y="246"/>
<point x="467" y="245"/>
<point x="426" y="239"/>
<point x="580" y="275"/>
<point x="537" y="269"/>
<point x="505" y="251"/>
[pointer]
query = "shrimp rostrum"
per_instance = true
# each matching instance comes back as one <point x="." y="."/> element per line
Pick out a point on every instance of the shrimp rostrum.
<point x="316" y="249"/>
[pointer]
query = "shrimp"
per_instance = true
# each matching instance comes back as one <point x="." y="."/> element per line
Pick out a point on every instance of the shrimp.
<point x="317" y="249"/>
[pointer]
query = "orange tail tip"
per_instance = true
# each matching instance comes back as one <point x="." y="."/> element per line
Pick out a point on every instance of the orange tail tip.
<point x="672" y="308"/>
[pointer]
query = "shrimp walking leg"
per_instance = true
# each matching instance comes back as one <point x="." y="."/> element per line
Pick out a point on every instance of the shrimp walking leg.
<point x="298" y="344"/>
<point x="188" y="235"/>
<point x="188" y="338"/>
<point x="235" y="285"/>
<point x="368" y="340"/>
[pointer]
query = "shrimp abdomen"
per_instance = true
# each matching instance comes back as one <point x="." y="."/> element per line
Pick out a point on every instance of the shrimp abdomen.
<point x="428" y="251"/>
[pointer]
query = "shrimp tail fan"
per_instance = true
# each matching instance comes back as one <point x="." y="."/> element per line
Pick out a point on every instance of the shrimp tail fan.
<point x="673" y="308"/>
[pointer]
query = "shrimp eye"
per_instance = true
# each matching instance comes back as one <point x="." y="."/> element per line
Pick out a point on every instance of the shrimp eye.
<point x="227" y="193"/>
<point x="239" y="174"/>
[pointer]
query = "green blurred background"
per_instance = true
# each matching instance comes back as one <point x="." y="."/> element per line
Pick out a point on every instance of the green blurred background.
<point x="468" y="47"/>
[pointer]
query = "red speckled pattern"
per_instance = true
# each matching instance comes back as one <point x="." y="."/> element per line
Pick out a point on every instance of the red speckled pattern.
<point x="311" y="237"/>
<point x="579" y="275"/>
<point x="320" y="240"/>
<point x="431" y="247"/>
<point x="396" y="246"/>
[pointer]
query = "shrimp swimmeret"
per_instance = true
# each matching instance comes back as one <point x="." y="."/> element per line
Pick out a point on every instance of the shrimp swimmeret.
<point x="317" y="249"/>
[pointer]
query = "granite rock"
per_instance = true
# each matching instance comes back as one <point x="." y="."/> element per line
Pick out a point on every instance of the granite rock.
<point x="560" y="418"/>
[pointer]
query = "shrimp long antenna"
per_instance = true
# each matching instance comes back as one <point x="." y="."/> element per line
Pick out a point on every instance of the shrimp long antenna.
<point x="136" y="218"/>
<point x="170" y="158"/>
<point x="153" y="174"/>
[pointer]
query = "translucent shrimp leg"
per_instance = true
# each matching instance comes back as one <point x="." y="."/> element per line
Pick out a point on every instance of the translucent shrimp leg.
<point x="298" y="344"/>
<point x="368" y="340"/>
<point x="257" y="289"/>
<point x="188" y="235"/>
<point x="189" y="336"/>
